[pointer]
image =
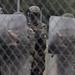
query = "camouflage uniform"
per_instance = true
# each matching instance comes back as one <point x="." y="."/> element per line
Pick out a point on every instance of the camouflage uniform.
<point x="33" y="15"/>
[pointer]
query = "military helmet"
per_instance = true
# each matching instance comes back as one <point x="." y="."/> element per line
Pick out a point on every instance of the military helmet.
<point x="34" y="13"/>
<point x="34" y="9"/>
<point x="68" y="15"/>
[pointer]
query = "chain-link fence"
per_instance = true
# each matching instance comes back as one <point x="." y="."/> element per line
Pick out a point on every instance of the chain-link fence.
<point x="48" y="7"/>
<point x="23" y="36"/>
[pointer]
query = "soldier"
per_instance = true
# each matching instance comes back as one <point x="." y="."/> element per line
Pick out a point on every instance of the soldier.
<point x="61" y="45"/>
<point x="15" y="40"/>
<point x="34" y="16"/>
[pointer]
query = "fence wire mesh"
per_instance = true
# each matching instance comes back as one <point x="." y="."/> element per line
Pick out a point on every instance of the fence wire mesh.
<point x="23" y="37"/>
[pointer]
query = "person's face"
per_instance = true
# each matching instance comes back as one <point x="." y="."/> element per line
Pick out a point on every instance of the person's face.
<point x="35" y="18"/>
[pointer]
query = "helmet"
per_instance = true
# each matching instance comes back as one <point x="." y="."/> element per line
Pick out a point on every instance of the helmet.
<point x="68" y="15"/>
<point x="34" y="14"/>
<point x="34" y="9"/>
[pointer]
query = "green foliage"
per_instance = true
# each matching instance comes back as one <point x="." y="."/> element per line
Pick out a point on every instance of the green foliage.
<point x="48" y="7"/>
<point x="7" y="6"/>
<point x="63" y="6"/>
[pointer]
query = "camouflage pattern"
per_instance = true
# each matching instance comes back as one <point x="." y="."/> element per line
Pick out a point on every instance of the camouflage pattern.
<point x="39" y="56"/>
<point x="35" y="9"/>
<point x="34" y="22"/>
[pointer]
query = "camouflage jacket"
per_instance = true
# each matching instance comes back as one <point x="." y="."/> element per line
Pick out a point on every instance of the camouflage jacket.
<point x="39" y="30"/>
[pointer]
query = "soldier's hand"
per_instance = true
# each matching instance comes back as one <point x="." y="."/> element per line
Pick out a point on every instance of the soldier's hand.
<point x="38" y="30"/>
<point x="12" y="34"/>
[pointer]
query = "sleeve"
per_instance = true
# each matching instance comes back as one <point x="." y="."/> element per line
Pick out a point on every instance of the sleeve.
<point x="31" y="45"/>
<point x="44" y="29"/>
<point x="31" y="33"/>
